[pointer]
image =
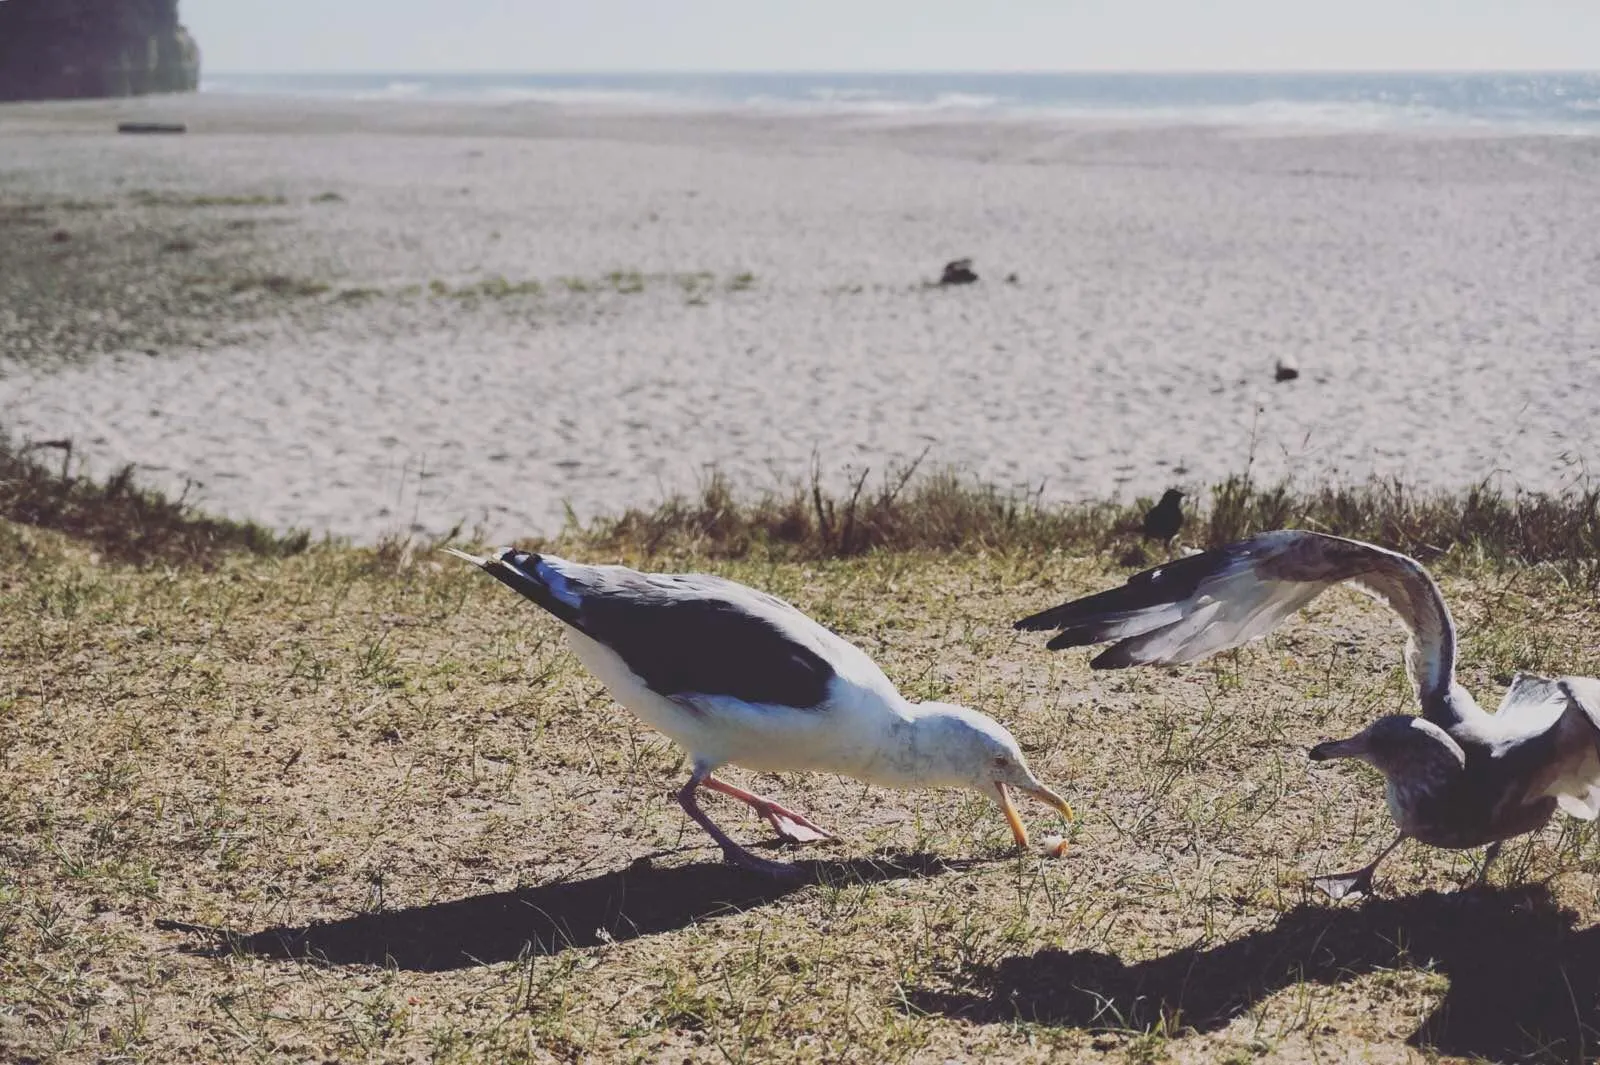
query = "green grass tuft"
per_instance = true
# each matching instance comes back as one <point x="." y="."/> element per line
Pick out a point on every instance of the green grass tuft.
<point x="149" y="198"/>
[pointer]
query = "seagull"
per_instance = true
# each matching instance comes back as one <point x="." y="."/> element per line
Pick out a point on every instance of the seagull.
<point x="736" y="676"/>
<point x="1455" y="777"/>
<point x="1162" y="521"/>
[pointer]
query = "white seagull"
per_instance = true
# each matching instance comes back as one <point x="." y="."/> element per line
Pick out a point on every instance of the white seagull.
<point x="736" y="676"/>
<point x="1456" y="777"/>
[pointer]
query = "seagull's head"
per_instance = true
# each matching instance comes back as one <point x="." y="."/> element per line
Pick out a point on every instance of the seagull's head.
<point x="1399" y="746"/>
<point x="962" y="748"/>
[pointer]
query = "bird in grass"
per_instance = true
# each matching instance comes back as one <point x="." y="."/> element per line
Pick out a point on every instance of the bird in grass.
<point x="1164" y="520"/>
<point x="736" y="676"/>
<point x="1457" y="776"/>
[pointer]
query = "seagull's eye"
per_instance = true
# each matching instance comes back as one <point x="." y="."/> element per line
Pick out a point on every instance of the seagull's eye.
<point x="1001" y="761"/>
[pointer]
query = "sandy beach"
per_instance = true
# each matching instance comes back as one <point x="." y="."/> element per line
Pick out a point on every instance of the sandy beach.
<point x="364" y="317"/>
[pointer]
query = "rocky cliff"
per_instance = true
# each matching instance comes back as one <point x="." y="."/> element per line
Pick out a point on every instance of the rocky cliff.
<point x="57" y="49"/>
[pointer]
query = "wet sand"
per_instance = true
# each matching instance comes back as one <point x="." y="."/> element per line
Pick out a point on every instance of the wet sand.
<point x="360" y="317"/>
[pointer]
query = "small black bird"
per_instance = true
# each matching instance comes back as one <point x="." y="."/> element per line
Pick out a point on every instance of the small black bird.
<point x="1162" y="521"/>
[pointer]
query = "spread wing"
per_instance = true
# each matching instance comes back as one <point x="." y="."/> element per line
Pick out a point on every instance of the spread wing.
<point x="1554" y="727"/>
<point x="684" y="635"/>
<point x="1196" y="606"/>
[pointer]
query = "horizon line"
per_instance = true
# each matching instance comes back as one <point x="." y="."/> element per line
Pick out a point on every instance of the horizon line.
<point x="926" y="72"/>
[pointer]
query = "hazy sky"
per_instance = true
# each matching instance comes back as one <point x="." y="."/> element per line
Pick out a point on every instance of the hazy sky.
<point x="725" y="35"/>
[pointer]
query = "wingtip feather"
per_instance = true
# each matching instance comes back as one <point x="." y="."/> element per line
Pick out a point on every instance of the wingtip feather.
<point x="1114" y="657"/>
<point x="1074" y="637"/>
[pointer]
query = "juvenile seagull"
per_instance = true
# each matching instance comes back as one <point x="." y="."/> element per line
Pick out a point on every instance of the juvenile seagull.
<point x="733" y="675"/>
<point x="1456" y="777"/>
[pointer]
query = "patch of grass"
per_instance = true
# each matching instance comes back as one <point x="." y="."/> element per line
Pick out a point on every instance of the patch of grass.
<point x="911" y="510"/>
<point x="493" y="287"/>
<point x="497" y="287"/>
<point x="327" y="197"/>
<point x="81" y="205"/>
<point x="742" y="282"/>
<point x="23" y="214"/>
<point x="150" y="198"/>
<point x="320" y="808"/>
<point x="121" y="520"/>
<point x="280" y="285"/>
<point x="364" y="803"/>
<point x="627" y="282"/>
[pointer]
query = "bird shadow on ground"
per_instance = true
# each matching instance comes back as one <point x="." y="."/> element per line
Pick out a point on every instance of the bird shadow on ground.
<point x="637" y="901"/>
<point x="1523" y="982"/>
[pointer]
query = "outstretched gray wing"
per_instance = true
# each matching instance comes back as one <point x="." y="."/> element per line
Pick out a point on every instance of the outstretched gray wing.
<point x="1196" y="606"/>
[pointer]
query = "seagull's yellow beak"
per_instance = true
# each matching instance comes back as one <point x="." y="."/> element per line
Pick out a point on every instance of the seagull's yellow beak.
<point x="1019" y="831"/>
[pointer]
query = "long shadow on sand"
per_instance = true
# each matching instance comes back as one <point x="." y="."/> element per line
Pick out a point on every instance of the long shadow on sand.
<point x="638" y="901"/>
<point x="1523" y="982"/>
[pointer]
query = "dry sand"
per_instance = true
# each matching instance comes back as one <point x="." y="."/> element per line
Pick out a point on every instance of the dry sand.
<point x="1439" y="294"/>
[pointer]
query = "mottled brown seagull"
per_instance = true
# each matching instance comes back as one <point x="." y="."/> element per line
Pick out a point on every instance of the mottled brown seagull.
<point x="736" y="676"/>
<point x="1457" y="776"/>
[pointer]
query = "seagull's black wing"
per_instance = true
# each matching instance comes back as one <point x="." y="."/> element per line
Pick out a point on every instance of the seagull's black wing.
<point x="682" y="634"/>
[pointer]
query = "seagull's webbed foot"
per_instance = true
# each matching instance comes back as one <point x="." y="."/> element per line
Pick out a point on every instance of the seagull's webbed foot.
<point x="1344" y="885"/>
<point x="790" y="826"/>
<point x="737" y="855"/>
<point x="731" y="851"/>
<point x="793" y="827"/>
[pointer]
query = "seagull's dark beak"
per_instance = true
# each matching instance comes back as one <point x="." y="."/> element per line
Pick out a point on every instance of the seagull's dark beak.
<point x="1354" y="747"/>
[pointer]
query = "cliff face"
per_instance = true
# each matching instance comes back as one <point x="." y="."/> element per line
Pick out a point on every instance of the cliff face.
<point x="58" y="49"/>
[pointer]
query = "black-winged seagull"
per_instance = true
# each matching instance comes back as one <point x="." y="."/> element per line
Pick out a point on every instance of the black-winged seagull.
<point x="734" y="675"/>
<point x="1456" y="777"/>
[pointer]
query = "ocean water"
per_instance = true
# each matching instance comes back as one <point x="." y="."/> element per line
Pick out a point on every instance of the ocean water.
<point x="1542" y="102"/>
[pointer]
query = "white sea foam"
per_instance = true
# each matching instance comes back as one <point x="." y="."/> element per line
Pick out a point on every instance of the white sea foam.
<point x="1529" y="103"/>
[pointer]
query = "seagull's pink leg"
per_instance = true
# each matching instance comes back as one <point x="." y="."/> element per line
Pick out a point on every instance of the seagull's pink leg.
<point x="794" y="827"/>
<point x="731" y="851"/>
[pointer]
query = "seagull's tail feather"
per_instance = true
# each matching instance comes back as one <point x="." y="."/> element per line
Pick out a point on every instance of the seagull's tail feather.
<point x="538" y="577"/>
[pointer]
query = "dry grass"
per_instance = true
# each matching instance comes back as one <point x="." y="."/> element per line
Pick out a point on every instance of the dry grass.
<point x="320" y="806"/>
<point x="943" y="511"/>
<point x="122" y="520"/>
